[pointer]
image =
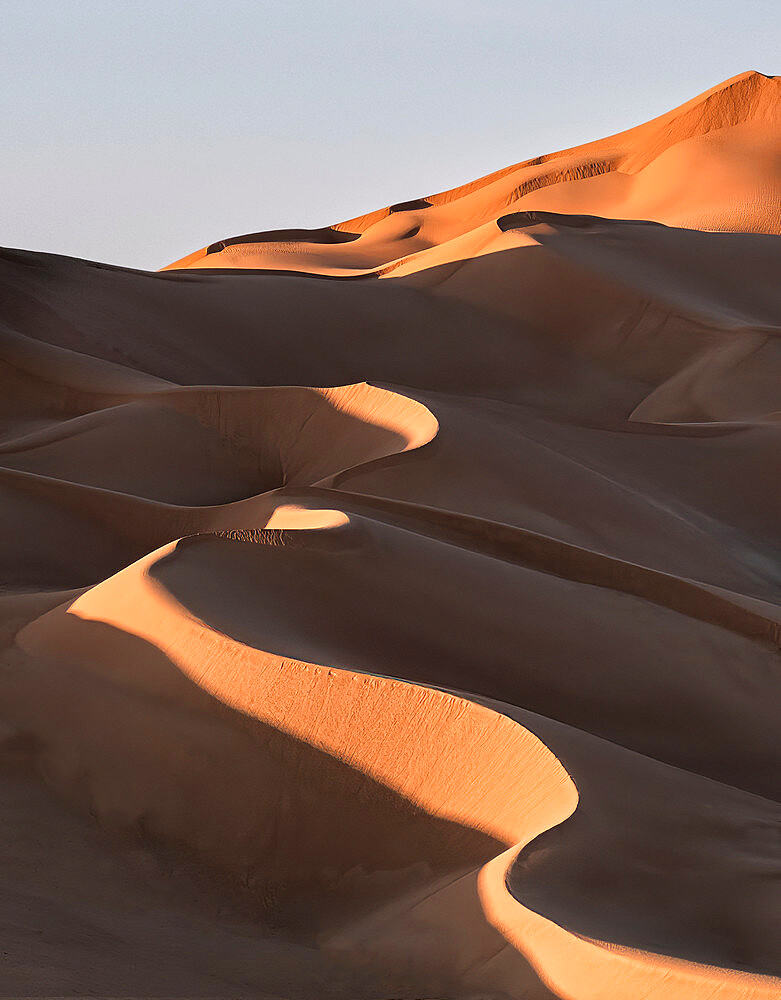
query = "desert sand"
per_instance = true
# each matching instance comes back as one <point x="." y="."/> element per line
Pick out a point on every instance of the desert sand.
<point x="393" y="609"/>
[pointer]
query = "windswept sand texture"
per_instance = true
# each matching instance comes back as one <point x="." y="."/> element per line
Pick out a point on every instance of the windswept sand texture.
<point x="392" y="609"/>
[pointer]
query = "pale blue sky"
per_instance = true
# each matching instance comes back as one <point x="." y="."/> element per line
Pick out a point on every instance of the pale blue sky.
<point x="134" y="131"/>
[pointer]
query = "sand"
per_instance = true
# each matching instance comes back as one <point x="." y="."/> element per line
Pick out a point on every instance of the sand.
<point x="392" y="609"/>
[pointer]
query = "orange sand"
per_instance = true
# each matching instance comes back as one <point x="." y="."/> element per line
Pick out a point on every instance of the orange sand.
<point x="393" y="609"/>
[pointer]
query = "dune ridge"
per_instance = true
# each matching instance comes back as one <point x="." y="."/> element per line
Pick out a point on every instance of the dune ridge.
<point x="411" y="631"/>
<point x="732" y="131"/>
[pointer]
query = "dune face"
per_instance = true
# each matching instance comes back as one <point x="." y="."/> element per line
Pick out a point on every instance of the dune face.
<point x="714" y="163"/>
<point x="392" y="609"/>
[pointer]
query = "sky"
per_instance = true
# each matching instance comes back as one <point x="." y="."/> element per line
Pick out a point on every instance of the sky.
<point x="134" y="132"/>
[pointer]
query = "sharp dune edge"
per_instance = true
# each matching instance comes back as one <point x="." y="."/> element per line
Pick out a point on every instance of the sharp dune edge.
<point x="392" y="609"/>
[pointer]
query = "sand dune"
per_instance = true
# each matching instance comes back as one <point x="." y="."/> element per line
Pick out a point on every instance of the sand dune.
<point x="712" y="163"/>
<point x="392" y="609"/>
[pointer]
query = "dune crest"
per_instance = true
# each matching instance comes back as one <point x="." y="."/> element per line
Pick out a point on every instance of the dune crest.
<point x="713" y="163"/>
<point x="392" y="608"/>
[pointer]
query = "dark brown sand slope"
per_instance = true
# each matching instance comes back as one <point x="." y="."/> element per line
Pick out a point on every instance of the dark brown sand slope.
<point x="394" y="609"/>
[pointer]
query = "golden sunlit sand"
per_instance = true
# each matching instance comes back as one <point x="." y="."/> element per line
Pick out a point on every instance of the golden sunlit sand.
<point x="392" y="609"/>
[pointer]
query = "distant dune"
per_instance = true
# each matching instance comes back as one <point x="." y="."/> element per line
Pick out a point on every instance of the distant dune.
<point x="393" y="610"/>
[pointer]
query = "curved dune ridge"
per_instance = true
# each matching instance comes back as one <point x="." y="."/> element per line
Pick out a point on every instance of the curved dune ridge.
<point x="415" y="634"/>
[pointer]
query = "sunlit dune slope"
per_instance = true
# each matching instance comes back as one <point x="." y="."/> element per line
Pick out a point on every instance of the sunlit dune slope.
<point x="392" y="609"/>
<point x="713" y="163"/>
<point x="162" y="643"/>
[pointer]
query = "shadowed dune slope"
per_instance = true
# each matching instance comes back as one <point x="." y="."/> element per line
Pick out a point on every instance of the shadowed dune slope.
<point x="392" y="609"/>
